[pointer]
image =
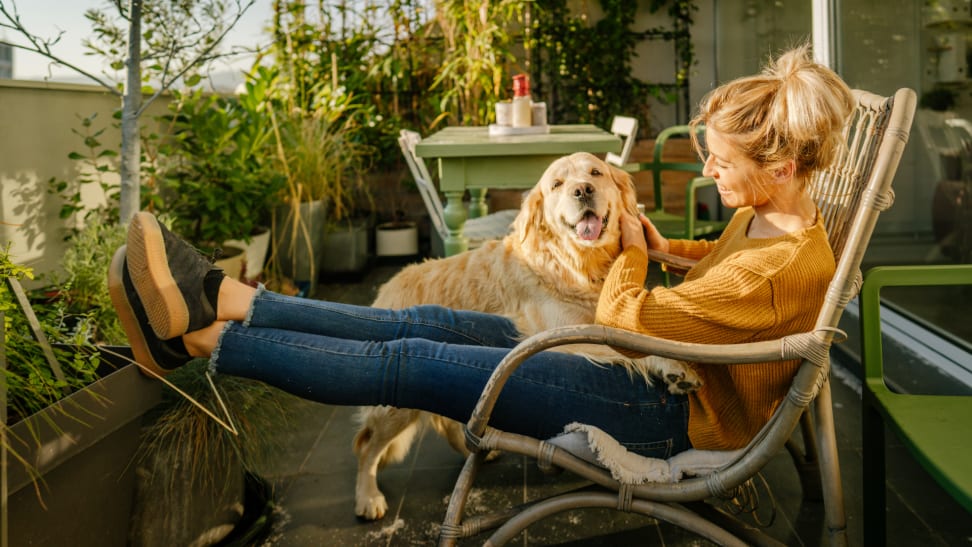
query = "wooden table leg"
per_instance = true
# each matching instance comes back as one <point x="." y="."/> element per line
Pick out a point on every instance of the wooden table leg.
<point x="455" y="218"/>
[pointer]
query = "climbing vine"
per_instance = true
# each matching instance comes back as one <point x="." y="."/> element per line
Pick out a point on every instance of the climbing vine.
<point x="583" y="69"/>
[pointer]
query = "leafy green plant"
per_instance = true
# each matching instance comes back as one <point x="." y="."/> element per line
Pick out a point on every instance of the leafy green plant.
<point x="80" y="285"/>
<point x="31" y="383"/>
<point x="94" y="164"/>
<point x="411" y="66"/>
<point x="585" y="69"/>
<point x="475" y="69"/>
<point x="215" y="184"/>
<point x="317" y="123"/>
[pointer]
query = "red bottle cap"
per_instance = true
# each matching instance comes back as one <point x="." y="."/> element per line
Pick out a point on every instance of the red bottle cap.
<point x="521" y="85"/>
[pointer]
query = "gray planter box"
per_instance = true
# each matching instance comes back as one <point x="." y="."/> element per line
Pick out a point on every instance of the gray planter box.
<point x="83" y="452"/>
<point x="347" y="247"/>
<point x="300" y="258"/>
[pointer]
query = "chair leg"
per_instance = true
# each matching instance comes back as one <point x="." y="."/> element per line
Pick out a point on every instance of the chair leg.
<point x="833" y="495"/>
<point x="452" y="529"/>
<point x="875" y="490"/>
<point x="805" y="460"/>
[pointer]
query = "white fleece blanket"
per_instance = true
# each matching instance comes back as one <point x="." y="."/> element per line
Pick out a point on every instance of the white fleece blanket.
<point x="595" y="446"/>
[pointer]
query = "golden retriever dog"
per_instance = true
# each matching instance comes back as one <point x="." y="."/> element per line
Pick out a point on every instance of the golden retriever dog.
<point x="546" y="273"/>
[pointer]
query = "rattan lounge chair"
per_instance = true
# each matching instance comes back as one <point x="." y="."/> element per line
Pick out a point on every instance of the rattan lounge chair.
<point x="850" y="196"/>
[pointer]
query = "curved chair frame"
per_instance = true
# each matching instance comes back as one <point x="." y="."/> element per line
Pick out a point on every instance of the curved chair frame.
<point x="851" y="195"/>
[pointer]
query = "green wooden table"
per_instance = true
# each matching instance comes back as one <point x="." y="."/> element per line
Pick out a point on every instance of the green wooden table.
<point x="469" y="158"/>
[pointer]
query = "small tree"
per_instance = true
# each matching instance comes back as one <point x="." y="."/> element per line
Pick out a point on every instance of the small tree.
<point x="178" y="40"/>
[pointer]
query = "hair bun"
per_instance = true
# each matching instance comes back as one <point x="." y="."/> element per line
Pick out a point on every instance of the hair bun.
<point x="793" y="111"/>
<point x="790" y="63"/>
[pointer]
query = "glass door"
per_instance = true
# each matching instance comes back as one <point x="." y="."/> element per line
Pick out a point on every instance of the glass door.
<point x="880" y="46"/>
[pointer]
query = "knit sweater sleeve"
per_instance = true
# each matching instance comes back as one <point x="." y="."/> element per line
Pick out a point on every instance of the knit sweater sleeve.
<point x="725" y="298"/>
<point x="694" y="249"/>
<point x="726" y="306"/>
<point x="742" y="290"/>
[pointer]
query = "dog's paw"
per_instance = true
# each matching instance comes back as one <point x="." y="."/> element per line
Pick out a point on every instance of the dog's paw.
<point x="683" y="381"/>
<point x="679" y="376"/>
<point x="371" y="507"/>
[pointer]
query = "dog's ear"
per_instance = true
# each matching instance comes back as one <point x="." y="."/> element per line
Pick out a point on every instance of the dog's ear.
<point x="625" y="183"/>
<point x="530" y="218"/>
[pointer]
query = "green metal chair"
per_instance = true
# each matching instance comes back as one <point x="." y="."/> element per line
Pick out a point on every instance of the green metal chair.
<point x="937" y="429"/>
<point x="674" y="225"/>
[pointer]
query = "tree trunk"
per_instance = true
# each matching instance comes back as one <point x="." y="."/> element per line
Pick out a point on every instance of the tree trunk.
<point x="131" y="104"/>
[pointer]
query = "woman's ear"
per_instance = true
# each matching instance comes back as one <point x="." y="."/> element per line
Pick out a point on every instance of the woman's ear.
<point x="785" y="173"/>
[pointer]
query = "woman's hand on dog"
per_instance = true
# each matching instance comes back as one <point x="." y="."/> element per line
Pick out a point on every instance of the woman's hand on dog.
<point x="640" y="233"/>
<point x="654" y="238"/>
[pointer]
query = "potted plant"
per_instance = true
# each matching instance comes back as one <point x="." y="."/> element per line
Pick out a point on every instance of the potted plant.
<point x="71" y="410"/>
<point x="214" y="189"/>
<point x="78" y="407"/>
<point x="200" y="469"/>
<point x="321" y="161"/>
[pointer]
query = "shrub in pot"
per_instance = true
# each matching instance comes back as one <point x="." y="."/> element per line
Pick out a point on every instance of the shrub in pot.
<point x="71" y="411"/>
<point x="318" y="152"/>
<point x="196" y="467"/>
<point x="214" y="185"/>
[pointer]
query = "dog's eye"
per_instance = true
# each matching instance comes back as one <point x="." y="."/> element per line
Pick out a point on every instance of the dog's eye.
<point x="595" y="172"/>
<point x="557" y="183"/>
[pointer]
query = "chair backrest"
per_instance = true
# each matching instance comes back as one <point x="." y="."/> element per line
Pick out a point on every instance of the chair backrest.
<point x="851" y="194"/>
<point x="625" y="127"/>
<point x="853" y="191"/>
<point x="407" y="140"/>
<point x="658" y="165"/>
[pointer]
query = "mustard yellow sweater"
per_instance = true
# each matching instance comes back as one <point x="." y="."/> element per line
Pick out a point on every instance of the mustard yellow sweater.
<point x="741" y="290"/>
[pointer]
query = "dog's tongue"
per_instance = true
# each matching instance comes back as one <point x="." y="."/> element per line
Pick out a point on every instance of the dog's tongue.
<point x="589" y="227"/>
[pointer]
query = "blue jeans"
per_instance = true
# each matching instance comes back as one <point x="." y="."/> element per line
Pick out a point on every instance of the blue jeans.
<point x="437" y="359"/>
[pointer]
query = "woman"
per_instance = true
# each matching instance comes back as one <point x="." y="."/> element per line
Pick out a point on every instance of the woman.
<point x="764" y="278"/>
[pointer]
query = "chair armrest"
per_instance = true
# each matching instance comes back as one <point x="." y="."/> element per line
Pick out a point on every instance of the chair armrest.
<point x="669" y="260"/>
<point x="781" y="349"/>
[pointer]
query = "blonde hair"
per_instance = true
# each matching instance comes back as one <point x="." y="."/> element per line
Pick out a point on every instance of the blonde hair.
<point x="794" y="110"/>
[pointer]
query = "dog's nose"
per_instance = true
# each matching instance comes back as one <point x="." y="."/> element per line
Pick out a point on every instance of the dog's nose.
<point x="584" y="191"/>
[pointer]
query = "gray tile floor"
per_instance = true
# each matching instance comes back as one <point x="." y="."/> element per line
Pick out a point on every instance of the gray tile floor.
<point x="313" y="477"/>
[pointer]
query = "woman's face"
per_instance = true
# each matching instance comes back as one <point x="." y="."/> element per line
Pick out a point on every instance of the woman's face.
<point x="739" y="179"/>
